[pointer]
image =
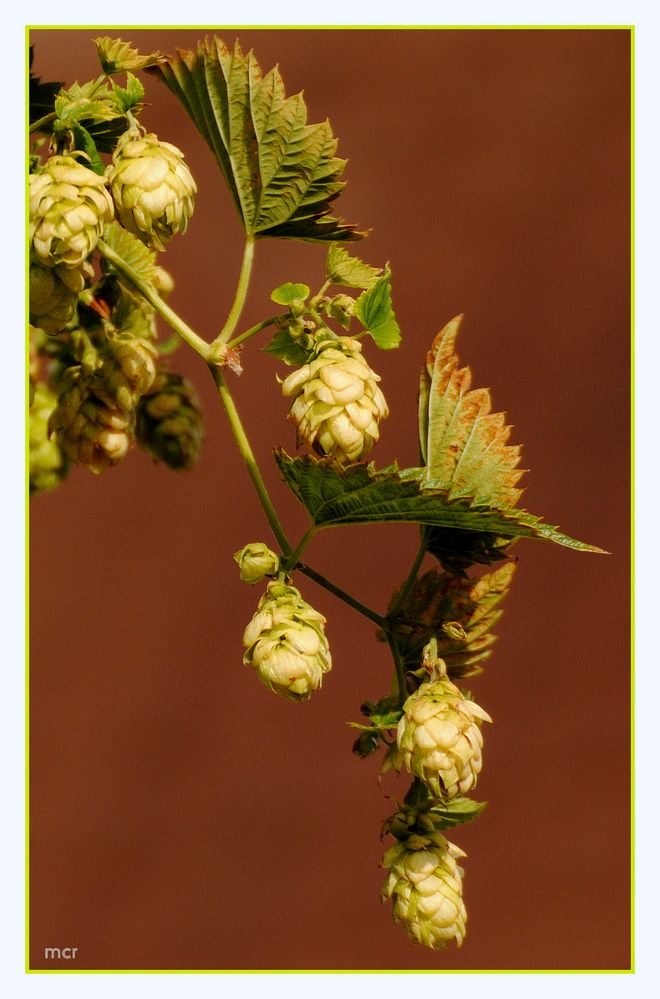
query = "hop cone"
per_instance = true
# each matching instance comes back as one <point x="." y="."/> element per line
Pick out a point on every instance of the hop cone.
<point x="439" y="738"/>
<point x="169" y="421"/>
<point x="425" y="885"/>
<point x="88" y="431"/>
<point x="152" y="188"/>
<point x="127" y="372"/>
<point x="69" y="205"/>
<point x="48" y="466"/>
<point x="256" y="561"/>
<point x="337" y="402"/>
<point x="286" y="643"/>
<point x="54" y="294"/>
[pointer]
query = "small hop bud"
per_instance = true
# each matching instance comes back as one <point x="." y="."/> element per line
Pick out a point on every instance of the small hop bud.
<point x="426" y="888"/>
<point x="438" y="736"/>
<point x="69" y="205"/>
<point x="256" y="561"/>
<point x="153" y="189"/>
<point x="48" y="466"/>
<point x="286" y="643"/>
<point x="337" y="402"/>
<point x="169" y="424"/>
<point x="54" y="294"/>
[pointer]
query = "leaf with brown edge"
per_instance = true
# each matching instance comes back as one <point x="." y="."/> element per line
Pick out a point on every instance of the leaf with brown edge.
<point x="463" y="444"/>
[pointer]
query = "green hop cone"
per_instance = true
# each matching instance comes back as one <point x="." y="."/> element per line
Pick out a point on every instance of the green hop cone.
<point x="337" y="402"/>
<point x="425" y="885"/>
<point x="169" y="422"/>
<point x="89" y="432"/>
<point x="48" y="466"/>
<point x="438" y="736"/>
<point x="286" y="643"/>
<point x="127" y="372"/>
<point x="54" y="294"/>
<point x="256" y="561"/>
<point x="69" y="205"/>
<point x="153" y="189"/>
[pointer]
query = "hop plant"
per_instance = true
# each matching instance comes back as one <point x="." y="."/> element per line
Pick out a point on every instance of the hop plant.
<point x="425" y="885"/>
<point x="89" y="432"/>
<point x="438" y="736"/>
<point x="337" y="402"/>
<point x="169" y="422"/>
<point x="54" y="294"/>
<point x="48" y="465"/>
<point x="127" y="371"/>
<point x="256" y="561"/>
<point x="286" y="643"/>
<point x="153" y="189"/>
<point x="69" y="205"/>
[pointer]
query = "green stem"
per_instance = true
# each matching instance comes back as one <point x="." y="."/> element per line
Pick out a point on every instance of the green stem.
<point x="250" y="461"/>
<point x="342" y="595"/>
<point x="291" y="561"/>
<point x="398" y="666"/>
<point x="40" y="122"/>
<point x="408" y="584"/>
<point x="231" y="323"/>
<point x="253" y="329"/>
<point x="162" y="308"/>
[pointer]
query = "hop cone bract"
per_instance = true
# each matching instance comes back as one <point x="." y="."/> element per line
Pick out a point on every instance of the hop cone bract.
<point x="337" y="402"/>
<point x="169" y="421"/>
<point x="426" y="888"/>
<point x="69" y="205"/>
<point x="286" y="643"/>
<point x="153" y="189"/>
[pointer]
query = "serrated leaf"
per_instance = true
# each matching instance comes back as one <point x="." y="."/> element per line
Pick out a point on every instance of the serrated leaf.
<point x="463" y="444"/>
<point x="289" y="292"/>
<point x="459" y="612"/>
<point x="117" y="56"/>
<point x="94" y="107"/>
<point x="337" y="494"/>
<point x="132" y="251"/>
<point x="284" y="347"/>
<point x="283" y="173"/>
<point x="349" y="272"/>
<point x="129" y="97"/>
<point x="374" y="310"/>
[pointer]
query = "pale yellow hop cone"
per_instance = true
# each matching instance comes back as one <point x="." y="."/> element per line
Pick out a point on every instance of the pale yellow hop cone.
<point x="439" y="738"/>
<point x="337" y="403"/>
<point x="286" y="643"/>
<point x="153" y="189"/>
<point x="69" y="205"/>
<point x="48" y="465"/>
<point x="426" y="888"/>
<point x="54" y="294"/>
<point x="256" y="561"/>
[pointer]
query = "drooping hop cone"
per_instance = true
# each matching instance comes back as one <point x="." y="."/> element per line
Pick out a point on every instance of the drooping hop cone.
<point x="69" y="205"/>
<point x="54" y="294"/>
<point x="439" y="738"/>
<point x="127" y="372"/>
<point x="48" y="466"/>
<point x="169" y="423"/>
<point x="286" y="643"/>
<point x="337" y="403"/>
<point x="153" y="189"/>
<point x="88" y="431"/>
<point x="426" y="888"/>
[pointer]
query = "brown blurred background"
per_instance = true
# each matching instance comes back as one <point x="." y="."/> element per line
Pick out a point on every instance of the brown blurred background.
<point x="182" y="815"/>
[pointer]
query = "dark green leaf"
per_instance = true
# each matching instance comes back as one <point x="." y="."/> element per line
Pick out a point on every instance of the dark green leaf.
<point x="286" y="348"/>
<point x="374" y="310"/>
<point x="116" y="56"/>
<point x="283" y="173"/>
<point x="337" y="494"/>
<point x="457" y="550"/>
<point x="289" y="292"/>
<point x="349" y="272"/>
<point x="85" y="142"/>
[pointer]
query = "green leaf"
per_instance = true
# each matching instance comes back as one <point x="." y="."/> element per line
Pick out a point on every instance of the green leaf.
<point x="448" y="814"/>
<point x="132" y="251"/>
<point x="93" y="106"/>
<point x="457" y="550"/>
<point x="85" y="142"/>
<point x="282" y="173"/>
<point x="458" y="612"/>
<point x="286" y="348"/>
<point x="337" y="494"/>
<point x="289" y="292"/>
<point x="463" y="444"/>
<point x="374" y="310"/>
<point x="117" y="57"/>
<point x="347" y="271"/>
<point x="129" y="98"/>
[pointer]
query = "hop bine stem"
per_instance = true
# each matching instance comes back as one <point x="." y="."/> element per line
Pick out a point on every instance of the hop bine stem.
<point x="231" y="323"/>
